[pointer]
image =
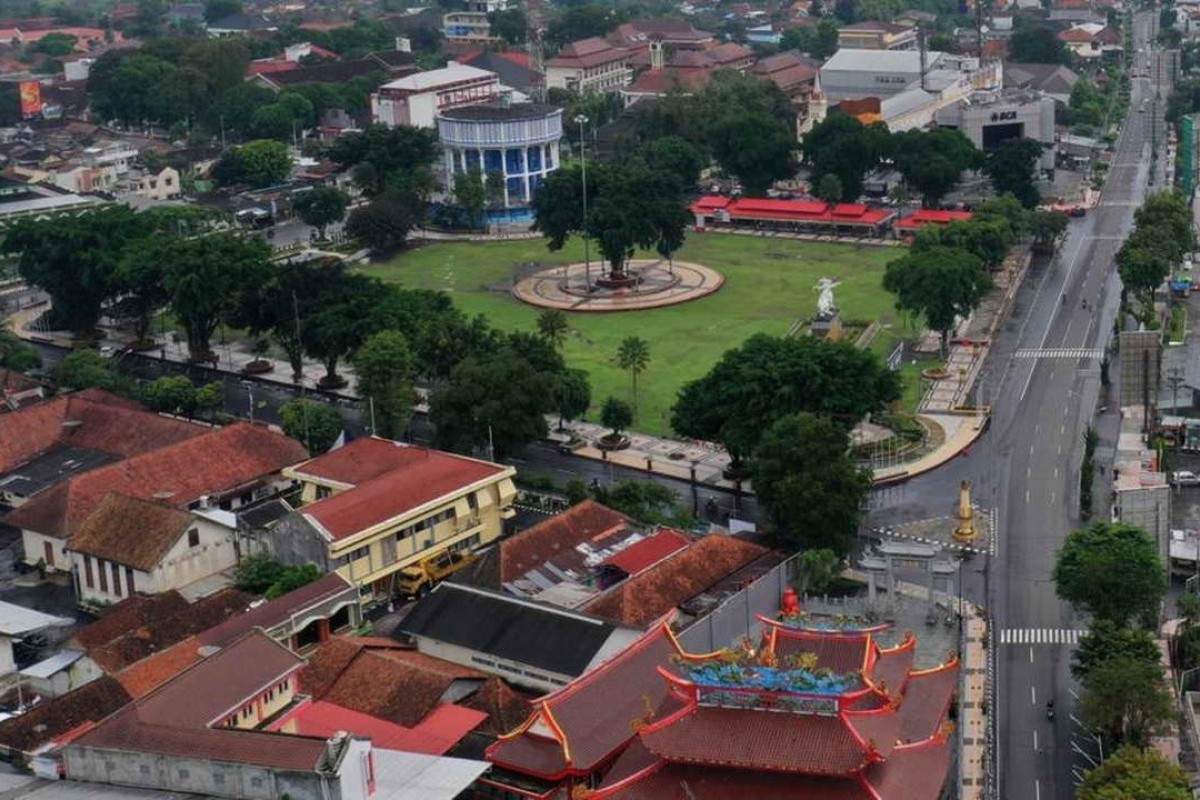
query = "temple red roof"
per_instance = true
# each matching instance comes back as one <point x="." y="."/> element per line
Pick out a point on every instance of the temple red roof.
<point x="932" y="216"/>
<point x="814" y="211"/>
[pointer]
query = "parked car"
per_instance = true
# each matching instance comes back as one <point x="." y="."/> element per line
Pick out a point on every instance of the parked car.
<point x="1185" y="478"/>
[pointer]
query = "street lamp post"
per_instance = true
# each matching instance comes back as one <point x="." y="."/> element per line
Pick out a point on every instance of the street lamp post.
<point x="587" y="260"/>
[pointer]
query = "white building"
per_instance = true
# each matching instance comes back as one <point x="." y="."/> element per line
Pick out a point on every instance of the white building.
<point x="590" y="65"/>
<point x="129" y="546"/>
<point x="161" y="185"/>
<point x="519" y="141"/>
<point x="988" y="118"/>
<point x="416" y="99"/>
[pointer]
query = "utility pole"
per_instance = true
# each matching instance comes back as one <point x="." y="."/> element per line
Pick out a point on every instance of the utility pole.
<point x="587" y="259"/>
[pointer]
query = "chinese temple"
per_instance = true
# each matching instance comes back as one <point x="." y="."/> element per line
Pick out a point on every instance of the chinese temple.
<point x="816" y="710"/>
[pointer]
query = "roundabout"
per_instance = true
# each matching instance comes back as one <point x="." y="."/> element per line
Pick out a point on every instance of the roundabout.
<point x="644" y="284"/>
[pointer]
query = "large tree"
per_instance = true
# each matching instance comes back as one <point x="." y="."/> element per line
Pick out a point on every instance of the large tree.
<point x="841" y="145"/>
<point x="384" y="366"/>
<point x="988" y="240"/>
<point x="572" y="395"/>
<point x="321" y="207"/>
<point x="1106" y="639"/>
<point x="74" y="259"/>
<point x="940" y="284"/>
<point x="498" y="401"/>
<point x="1134" y="774"/>
<point x="931" y="162"/>
<point x="260" y="163"/>
<point x="206" y="277"/>
<point x="389" y="159"/>
<point x="1126" y="700"/>
<point x="1012" y="166"/>
<point x="1037" y="44"/>
<point x="384" y="223"/>
<point x="804" y="477"/>
<point x="1112" y="571"/>
<point x="280" y="305"/>
<point x="633" y="355"/>
<point x="629" y="206"/>
<point x="470" y="195"/>
<point x="351" y="310"/>
<point x="770" y="377"/>
<point x="757" y="148"/>
<point x="316" y="425"/>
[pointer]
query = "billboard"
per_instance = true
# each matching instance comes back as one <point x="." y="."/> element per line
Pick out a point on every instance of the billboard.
<point x="31" y="98"/>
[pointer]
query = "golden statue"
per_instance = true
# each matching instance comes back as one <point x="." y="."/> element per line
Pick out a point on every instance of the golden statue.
<point x="965" y="532"/>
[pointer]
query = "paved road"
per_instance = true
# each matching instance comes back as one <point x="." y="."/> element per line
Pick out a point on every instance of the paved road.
<point x="1026" y="466"/>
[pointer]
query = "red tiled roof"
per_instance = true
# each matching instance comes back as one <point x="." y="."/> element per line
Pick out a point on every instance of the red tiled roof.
<point x="148" y="674"/>
<point x="129" y="531"/>
<point x="648" y="552"/>
<point x="129" y="615"/>
<point x="47" y="721"/>
<point x="145" y="641"/>
<point x="689" y="782"/>
<point x="755" y="739"/>
<point x="596" y="712"/>
<point x="534" y="546"/>
<point x="400" y="686"/>
<point x="270" y="66"/>
<point x="505" y="708"/>
<point x="361" y="460"/>
<point x="913" y="772"/>
<point x="670" y="583"/>
<point x="435" y="736"/>
<point x="424" y="476"/>
<point x="93" y="419"/>
<point x="1076" y="35"/>
<point x="892" y="666"/>
<point x="926" y="699"/>
<point x="274" y="612"/>
<point x="587" y="53"/>
<point x="798" y="211"/>
<point x="935" y="216"/>
<point x="214" y="462"/>
<point x="662" y="81"/>
<point x="841" y="654"/>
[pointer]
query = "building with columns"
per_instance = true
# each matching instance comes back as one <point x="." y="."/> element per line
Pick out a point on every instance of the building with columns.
<point x="520" y="141"/>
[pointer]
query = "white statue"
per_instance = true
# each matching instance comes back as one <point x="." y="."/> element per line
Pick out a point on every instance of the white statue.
<point x="825" y="304"/>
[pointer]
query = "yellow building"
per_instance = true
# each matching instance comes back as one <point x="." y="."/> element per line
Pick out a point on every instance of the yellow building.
<point x="374" y="507"/>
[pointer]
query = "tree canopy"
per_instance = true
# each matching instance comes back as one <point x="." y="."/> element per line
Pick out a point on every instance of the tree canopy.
<point x="1037" y="44"/>
<point x="804" y="477"/>
<point x="841" y="145"/>
<point x="939" y="283"/>
<point x="1012" y="166"/>
<point x="1106" y="639"/>
<point x="931" y="162"/>
<point x="629" y="206"/>
<point x="768" y="377"/>
<point x="1126" y="700"/>
<point x="384" y="366"/>
<point x="263" y="162"/>
<point x="321" y="207"/>
<point x="316" y="425"/>
<point x="1133" y="774"/>
<point x="1112" y="571"/>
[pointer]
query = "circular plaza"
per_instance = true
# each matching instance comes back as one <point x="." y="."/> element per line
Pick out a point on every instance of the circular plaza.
<point x="646" y="284"/>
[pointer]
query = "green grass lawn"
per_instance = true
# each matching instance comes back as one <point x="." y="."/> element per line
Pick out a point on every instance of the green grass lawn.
<point x="768" y="285"/>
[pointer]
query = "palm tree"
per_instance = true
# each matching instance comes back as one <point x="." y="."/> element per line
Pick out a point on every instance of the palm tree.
<point x="552" y="325"/>
<point x="634" y="355"/>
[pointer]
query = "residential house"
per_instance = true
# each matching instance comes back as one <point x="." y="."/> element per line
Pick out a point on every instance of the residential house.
<point x="43" y="725"/>
<point x="1053" y="80"/>
<point x="531" y="644"/>
<point x="404" y="699"/>
<point x="203" y="732"/>
<point x="84" y="179"/>
<point x="416" y="99"/>
<point x="289" y="59"/>
<point x="300" y="620"/>
<point x="663" y="580"/>
<point x="241" y="25"/>
<point x="1090" y="40"/>
<point x="511" y="66"/>
<point x="222" y="468"/>
<point x="875" y="35"/>
<point x="129" y="545"/>
<point x="44" y="444"/>
<point x="394" y="64"/>
<point x="375" y="507"/>
<point x="795" y="75"/>
<point x="589" y="65"/>
<point x="17" y="390"/>
<point x="17" y="621"/>
<point x="162" y="185"/>
<point x="673" y="34"/>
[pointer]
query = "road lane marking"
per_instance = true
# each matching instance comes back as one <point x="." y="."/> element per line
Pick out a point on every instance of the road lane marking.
<point x="1031" y="655"/>
<point x="1037" y="789"/>
<point x="1033" y="695"/>
<point x="1062" y="429"/>
<point x="1035" y="741"/>
<point x="1056" y="472"/>
<point x="1041" y="636"/>
<point x="1026" y="497"/>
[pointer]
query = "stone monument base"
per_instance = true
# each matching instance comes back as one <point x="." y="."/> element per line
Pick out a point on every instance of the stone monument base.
<point x="827" y="326"/>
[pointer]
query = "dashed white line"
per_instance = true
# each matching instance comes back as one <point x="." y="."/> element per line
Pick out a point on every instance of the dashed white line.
<point x="1035" y="741"/>
<point x="1033" y="695"/>
<point x="1031" y="655"/>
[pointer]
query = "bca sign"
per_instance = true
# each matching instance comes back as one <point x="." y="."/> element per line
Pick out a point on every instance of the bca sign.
<point x="1001" y="116"/>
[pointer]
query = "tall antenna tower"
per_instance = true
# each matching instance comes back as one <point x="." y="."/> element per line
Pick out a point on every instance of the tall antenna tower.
<point x="534" y="31"/>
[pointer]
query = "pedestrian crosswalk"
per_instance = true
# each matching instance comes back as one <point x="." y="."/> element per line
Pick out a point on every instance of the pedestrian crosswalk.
<point x="1058" y="352"/>
<point x="1040" y="635"/>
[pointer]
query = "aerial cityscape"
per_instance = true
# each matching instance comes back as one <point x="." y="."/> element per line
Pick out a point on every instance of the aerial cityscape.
<point x="599" y="400"/>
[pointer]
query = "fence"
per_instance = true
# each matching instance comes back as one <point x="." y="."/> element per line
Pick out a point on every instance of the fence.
<point x="734" y="617"/>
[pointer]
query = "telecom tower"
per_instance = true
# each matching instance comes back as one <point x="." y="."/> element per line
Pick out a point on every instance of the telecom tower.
<point x="536" y="49"/>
